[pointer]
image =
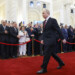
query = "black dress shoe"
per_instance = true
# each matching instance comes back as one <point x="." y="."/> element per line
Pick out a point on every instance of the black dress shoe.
<point x="42" y="71"/>
<point x="60" y="66"/>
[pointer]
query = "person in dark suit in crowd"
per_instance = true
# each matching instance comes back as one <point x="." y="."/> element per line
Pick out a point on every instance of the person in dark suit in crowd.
<point x="49" y="41"/>
<point x="40" y="37"/>
<point x="65" y="34"/>
<point x="14" y="38"/>
<point x="29" y="48"/>
<point x="70" y="38"/>
<point x="4" y="37"/>
<point x="30" y="31"/>
<point x="0" y="41"/>
<point x="9" y="25"/>
<point x="74" y="40"/>
<point x="36" y="44"/>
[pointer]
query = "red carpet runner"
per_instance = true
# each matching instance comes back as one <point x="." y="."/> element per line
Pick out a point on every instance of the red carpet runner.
<point x="29" y="66"/>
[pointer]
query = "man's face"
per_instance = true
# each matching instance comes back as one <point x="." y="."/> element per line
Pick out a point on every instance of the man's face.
<point x="14" y="25"/>
<point x="29" y="25"/>
<point x="23" y="28"/>
<point x="31" y="29"/>
<point x="4" y="23"/>
<point x="45" y="14"/>
<point x="36" y="26"/>
<point x="66" y="26"/>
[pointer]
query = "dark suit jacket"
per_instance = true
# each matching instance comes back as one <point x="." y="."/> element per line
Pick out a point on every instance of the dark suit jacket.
<point x="70" y="33"/>
<point x="65" y="33"/>
<point x="31" y="32"/>
<point x="4" y="37"/>
<point x="13" y="35"/>
<point x="49" y="32"/>
<point x="36" y="33"/>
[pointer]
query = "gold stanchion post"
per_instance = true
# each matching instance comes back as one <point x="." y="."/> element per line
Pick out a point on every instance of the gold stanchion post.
<point x="32" y="45"/>
<point x="61" y="47"/>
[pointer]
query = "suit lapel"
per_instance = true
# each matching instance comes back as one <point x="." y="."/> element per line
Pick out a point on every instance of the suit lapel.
<point x="48" y="23"/>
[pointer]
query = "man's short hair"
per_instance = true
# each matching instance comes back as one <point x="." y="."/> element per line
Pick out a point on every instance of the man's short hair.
<point x="47" y="11"/>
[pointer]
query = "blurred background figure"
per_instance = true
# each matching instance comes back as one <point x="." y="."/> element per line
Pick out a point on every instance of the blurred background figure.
<point x="14" y="38"/>
<point x="70" y="38"/>
<point x="65" y="34"/>
<point x="4" y="37"/>
<point x="22" y="48"/>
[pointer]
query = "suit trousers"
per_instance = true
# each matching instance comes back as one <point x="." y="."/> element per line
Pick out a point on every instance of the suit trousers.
<point x="48" y="52"/>
<point x="4" y="51"/>
<point x="13" y="50"/>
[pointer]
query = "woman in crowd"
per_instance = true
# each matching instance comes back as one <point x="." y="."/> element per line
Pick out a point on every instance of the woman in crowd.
<point x="23" y="35"/>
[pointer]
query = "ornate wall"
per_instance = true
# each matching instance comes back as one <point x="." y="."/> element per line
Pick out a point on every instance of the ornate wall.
<point x="20" y="10"/>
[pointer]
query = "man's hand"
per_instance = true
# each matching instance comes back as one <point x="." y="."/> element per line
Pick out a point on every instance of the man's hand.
<point x="18" y="36"/>
<point x="6" y="32"/>
<point x="64" y="41"/>
<point x="42" y="42"/>
<point x="32" y="35"/>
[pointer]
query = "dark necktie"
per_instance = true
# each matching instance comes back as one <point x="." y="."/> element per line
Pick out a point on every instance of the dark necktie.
<point x="44" y="23"/>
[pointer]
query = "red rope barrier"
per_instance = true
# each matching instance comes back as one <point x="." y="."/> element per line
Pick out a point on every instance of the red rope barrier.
<point x="58" y="41"/>
<point x="30" y="41"/>
<point x="67" y="42"/>
<point x="37" y="41"/>
<point x="15" y="44"/>
<point x="70" y="43"/>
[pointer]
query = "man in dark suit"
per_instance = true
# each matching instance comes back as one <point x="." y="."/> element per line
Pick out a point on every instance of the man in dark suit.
<point x="40" y="37"/>
<point x="70" y="38"/>
<point x="29" y="29"/>
<point x="4" y="37"/>
<point x="65" y="34"/>
<point x="49" y="41"/>
<point x="74" y="39"/>
<point x="14" y="37"/>
<point x="31" y="32"/>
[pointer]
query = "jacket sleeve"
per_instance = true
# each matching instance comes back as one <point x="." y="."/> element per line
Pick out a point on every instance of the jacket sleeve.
<point x="1" y="32"/>
<point x="57" y="28"/>
<point x="12" y="34"/>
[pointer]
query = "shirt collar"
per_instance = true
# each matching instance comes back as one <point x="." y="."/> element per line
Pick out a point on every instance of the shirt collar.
<point x="47" y="18"/>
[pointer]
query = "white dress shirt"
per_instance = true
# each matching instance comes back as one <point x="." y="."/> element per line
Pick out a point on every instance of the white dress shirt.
<point x="47" y="18"/>
<point x="23" y="36"/>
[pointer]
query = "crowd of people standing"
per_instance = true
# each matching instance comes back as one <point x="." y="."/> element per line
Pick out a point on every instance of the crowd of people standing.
<point x="17" y="34"/>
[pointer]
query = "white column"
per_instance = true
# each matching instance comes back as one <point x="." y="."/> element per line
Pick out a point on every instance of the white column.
<point x="11" y="10"/>
<point x="51" y="8"/>
<point x="67" y="14"/>
<point x="20" y="7"/>
<point x="24" y="14"/>
<point x="62" y="14"/>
